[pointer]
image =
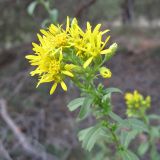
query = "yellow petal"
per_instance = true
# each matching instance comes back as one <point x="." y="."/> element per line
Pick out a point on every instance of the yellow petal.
<point x="30" y="57"/>
<point x="70" y="66"/>
<point x="106" y="51"/>
<point x="44" y="32"/>
<point x="87" y="63"/>
<point x="63" y="85"/>
<point x="89" y="27"/>
<point x="53" y="88"/>
<point x="106" y="41"/>
<point x="67" y="25"/>
<point x="35" y="45"/>
<point x="96" y="29"/>
<point x="40" y="38"/>
<point x="107" y="30"/>
<point x="68" y="73"/>
<point x="128" y="96"/>
<point x="74" y="22"/>
<point x="60" y="55"/>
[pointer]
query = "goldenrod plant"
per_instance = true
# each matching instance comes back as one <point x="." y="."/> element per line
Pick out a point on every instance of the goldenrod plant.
<point x="137" y="104"/>
<point x="136" y="107"/>
<point x="81" y="56"/>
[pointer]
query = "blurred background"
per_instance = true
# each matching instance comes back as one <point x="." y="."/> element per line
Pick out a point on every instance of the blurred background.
<point x="45" y="120"/>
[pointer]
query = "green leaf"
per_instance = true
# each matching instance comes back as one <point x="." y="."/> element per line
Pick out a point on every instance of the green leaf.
<point x="85" y="109"/>
<point x="128" y="155"/>
<point x="32" y="7"/>
<point x="53" y="15"/>
<point x="137" y="125"/>
<point x="112" y="90"/>
<point x="154" y="116"/>
<point x="116" y="118"/>
<point x="90" y="136"/>
<point x="142" y="149"/>
<point x="74" y="104"/>
<point x="46" y="4"/>
<point x="154" y="154"/>
<point x="130" y="123"/>
<point x="127" y="136"/>
<point x="45" y="23"/>
<point x="106" y="97"/>
<point x="155" y="132"/>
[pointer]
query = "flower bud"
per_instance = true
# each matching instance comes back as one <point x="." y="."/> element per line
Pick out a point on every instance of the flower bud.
<point x="105" y="72"/>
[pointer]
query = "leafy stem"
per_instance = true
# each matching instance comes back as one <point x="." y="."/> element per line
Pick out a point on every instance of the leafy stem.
<point x="114" y="136"/>
<point x="150" y="138"/>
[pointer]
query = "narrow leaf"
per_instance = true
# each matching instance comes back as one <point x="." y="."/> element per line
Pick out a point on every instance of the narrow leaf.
<point x="85" y="109"/>
<point x="74" y="104"/>
<point x="142" y="149"/>
<point x="115" y="117"/>
<point x="138" y="125"/>
<point x="112" y="90"/>
<point x="31" y="7"/>
<point x="127" y="136"/>
<point x="154" y="116"/>
<point x="90" y="136"/>
<point x="54" y="15"/>
<point x="128" y="155"/>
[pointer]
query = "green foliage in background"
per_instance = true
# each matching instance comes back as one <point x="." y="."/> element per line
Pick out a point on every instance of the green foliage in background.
<point x="52" y="12"/>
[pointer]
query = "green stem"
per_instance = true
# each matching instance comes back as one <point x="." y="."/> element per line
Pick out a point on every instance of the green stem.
<point x="151" y="142"/>
<point x="89" y="88"/>
<point x="115" y="138"/>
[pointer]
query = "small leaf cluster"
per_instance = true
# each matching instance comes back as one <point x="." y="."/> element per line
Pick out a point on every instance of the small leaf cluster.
<point x="52" y="12"/>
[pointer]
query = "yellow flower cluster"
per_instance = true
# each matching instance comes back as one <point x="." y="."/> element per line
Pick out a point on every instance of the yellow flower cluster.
<point x="60" y="50"/>
<point x="49" y="57"/>
<point x="136" y="104"/>
<point x="89" y="44"/>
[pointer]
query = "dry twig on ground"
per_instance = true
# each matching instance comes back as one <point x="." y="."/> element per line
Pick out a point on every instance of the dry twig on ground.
<point x="27" y="147"/>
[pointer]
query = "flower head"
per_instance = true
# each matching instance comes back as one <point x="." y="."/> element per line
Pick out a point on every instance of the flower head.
<point x="136" y="104"/>
<point x="89" y="44"/>
<point x="105" y="72"/>
<point x="62" y="53"/>
<point x="48" y="57"/>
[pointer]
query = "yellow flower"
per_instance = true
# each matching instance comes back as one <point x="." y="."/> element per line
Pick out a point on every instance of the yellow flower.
<point x="136" y="104"/>
<point x="128" y="96"/>
<point x="48" y="58"/>
<point x="105" y="72"/>
<point x="88" y="43"/>
<point x="63" y="53"/>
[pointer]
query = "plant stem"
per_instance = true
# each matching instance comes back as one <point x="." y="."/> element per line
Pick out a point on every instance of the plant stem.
<point x="115" y="138"/>
<point x="151" y="142"/>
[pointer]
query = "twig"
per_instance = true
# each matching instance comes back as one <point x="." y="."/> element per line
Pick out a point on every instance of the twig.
<point x="4" y="152"/>
<point x="21" y="137"/>
<point x="83" y="7"/>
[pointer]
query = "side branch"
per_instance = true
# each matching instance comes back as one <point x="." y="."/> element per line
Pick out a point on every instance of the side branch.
<point x="83" y="7"/>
